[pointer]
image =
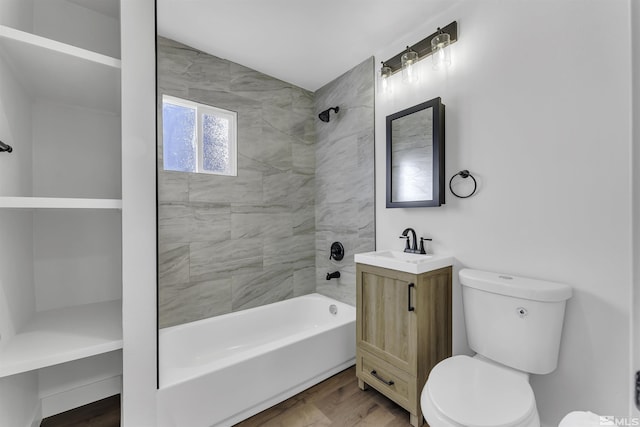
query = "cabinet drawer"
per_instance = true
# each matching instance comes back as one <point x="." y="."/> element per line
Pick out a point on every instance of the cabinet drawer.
<point x="387" y="379"/>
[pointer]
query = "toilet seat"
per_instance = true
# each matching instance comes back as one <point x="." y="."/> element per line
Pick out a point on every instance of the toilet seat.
<point x="475" y="393"/>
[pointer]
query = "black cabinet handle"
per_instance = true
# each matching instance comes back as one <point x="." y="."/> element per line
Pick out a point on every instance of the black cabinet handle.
<point x="410" y="307"/>
<point x="375" y="375"/>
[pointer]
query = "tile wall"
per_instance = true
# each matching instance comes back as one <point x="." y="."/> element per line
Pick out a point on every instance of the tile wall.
<point x="230" y="243"/>
<point x="345" y="177"/>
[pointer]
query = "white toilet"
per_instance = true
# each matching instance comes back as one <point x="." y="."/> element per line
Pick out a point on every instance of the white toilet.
<point x="515" y="325"/>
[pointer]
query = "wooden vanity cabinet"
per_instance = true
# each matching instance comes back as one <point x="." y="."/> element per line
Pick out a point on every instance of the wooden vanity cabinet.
<point x="403" y="329"/>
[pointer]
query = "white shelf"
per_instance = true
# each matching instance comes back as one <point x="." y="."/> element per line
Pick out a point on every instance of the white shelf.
<point x="58" y="203"/>
<point x="63" y="335"/>
<point x="62" y="72"/>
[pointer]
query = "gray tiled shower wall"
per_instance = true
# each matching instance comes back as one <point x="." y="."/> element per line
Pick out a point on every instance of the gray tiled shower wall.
<point x="345" y="178"/>
<point x="230" y="243"/>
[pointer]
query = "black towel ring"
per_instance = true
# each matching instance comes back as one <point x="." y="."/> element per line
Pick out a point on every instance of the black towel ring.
<point x="464" y="174"/>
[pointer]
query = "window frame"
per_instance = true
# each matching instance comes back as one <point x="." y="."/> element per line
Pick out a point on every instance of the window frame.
<point x="201" y="110"/>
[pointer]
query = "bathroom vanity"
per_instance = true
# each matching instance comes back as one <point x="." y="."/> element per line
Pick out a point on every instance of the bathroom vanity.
<point x="403" y="323"/>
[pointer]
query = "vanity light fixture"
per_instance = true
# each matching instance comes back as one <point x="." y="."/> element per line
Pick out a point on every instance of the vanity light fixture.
<point x="437" y="44"/>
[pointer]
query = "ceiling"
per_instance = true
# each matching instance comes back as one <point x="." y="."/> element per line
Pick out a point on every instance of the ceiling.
<point x="304" y="42"/>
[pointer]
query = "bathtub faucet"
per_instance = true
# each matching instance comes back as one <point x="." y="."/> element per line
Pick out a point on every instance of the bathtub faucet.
<point x="334" y="275"/>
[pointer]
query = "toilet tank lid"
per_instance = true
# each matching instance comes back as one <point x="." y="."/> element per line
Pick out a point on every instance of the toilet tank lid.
<point x="518" y="287"/>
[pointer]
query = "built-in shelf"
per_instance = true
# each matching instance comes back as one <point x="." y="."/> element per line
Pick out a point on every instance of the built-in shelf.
<point x="61" y="72"/>
<point x="63" y="335"/>
<point x="58" y="203"/>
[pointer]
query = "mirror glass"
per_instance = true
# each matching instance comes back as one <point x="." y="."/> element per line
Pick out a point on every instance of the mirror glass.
<point x="415" y="156"/>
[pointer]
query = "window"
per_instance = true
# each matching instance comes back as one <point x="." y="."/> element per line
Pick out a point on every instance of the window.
<point x="198" y="138"/>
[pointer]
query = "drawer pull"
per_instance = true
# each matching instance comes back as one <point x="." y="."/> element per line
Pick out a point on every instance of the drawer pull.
<point x="410" y="306"/>
<point x="375" y="374"/>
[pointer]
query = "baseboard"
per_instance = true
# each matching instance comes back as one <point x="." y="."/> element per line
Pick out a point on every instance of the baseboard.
<point x="79" y="396"/>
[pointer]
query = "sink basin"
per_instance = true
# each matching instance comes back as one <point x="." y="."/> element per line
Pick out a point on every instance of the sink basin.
<point x="403" y="261"/>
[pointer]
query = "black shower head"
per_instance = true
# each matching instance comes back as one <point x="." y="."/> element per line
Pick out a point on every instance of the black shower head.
<point x="324" y="116"/>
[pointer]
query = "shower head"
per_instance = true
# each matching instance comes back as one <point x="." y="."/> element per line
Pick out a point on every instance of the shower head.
<point x="324" y="116"/>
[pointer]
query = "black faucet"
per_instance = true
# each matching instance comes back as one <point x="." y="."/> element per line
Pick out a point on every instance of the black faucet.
<point x="413" y="247"/>
<point x="410" y="248"/>
<point x="334" y="275"/>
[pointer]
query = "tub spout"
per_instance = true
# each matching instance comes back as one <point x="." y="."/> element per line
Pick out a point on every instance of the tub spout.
<point x="334" y="275"/>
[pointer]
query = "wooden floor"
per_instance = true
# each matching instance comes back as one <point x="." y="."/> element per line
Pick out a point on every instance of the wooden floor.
<point x="336" y="402"/>
<point x="103" y="413"/>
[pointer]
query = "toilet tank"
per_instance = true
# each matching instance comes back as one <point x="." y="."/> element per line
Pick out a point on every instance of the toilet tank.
<point x="515" y="321"/>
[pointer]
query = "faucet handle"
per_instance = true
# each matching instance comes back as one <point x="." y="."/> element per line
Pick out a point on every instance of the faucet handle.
<point x="407" y="246"/>
<point x="422" y="239"/>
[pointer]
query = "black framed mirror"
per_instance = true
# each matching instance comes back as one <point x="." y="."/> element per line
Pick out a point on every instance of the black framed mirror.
<point x="415" y="156"/>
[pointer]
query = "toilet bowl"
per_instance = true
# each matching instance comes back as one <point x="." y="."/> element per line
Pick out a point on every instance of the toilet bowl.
<point x="581" y="419"/>
<point x="465" y="391"/>
<point x="514" y="325"/>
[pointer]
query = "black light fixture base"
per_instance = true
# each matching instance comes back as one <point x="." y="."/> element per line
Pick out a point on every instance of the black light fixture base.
<point x="423" y="47"/>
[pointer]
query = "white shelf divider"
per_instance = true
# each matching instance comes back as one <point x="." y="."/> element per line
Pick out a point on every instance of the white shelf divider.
<point x="62" y="72"/>
<point x="57" y="336"/>
<point x="59" y="203"/>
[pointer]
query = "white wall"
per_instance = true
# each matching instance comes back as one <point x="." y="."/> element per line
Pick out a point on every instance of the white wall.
<point x="73" y="248"/>
<point x="635" y="302"/>
<point x="76" y="25"/>
<point x="17" y="300"/>
<point x="86" y="149"/>
<point x="77" y="258"/>
<point x="139" y="214"/>
<point x="19" y="404"/>
<point x="537" y="108"/>
<point x="17" y="14"/>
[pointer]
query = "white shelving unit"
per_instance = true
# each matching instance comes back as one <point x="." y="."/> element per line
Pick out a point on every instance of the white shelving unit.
<point x="58" y="203"/>
<point x="59" y="71"/>
<point x="60" y="200"/>
<point x="57" y="336"/>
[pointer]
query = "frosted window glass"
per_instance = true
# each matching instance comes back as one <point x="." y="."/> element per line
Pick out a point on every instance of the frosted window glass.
<point x="198" y="138"/>
<point x="179" y="138"/>
<point x="215" y="142"/>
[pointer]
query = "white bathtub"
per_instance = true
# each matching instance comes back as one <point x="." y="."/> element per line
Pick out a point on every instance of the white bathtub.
<point x="219" y="371"/>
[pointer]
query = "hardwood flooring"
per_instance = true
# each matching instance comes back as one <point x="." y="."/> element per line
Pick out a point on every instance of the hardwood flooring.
<point x="335" y="402"/>
<point x="103" y="413"/>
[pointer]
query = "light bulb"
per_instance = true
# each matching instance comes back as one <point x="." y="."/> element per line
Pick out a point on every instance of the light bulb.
<point x="385" y="75"/>
<point x="409" y="59"/>
<point x="440" y="50"/>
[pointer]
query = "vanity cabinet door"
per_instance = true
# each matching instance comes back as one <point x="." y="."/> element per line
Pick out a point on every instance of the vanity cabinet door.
<point x="386" y="317"/>
<point x="403" y="329"/>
